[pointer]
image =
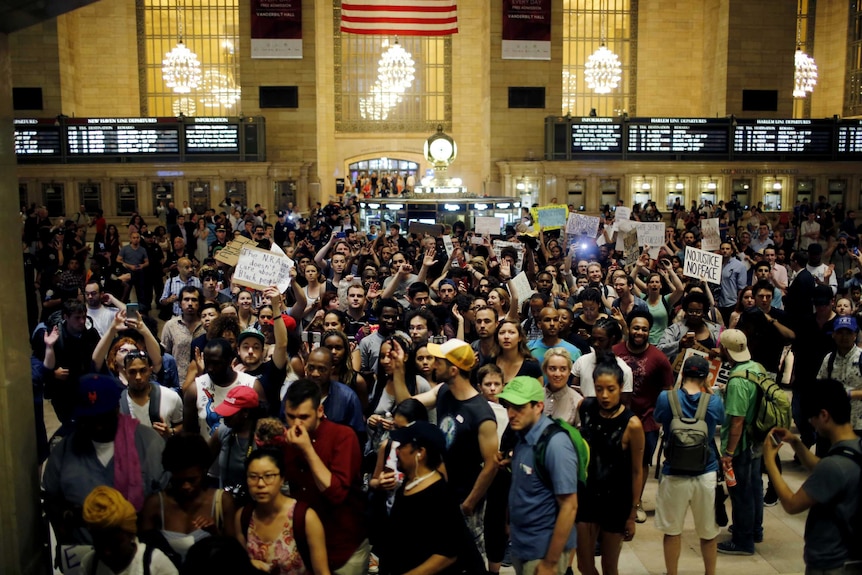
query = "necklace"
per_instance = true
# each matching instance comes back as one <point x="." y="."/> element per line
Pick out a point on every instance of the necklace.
<point x="417" y="481"/>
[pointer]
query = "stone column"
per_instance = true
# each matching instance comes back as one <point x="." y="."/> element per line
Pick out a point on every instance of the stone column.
<point x="21" y="528"/>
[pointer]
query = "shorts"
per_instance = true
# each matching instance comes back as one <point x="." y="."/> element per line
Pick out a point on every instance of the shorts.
<point x="650" y="443"/>
<point x="676" y="493"/>
<point x="610" y="513"/>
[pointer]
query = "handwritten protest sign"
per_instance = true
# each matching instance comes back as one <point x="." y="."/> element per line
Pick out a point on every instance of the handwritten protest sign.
<point x="714" y="367"/>
<point x="631" y="246"/>
<point x="651" y="234"/>
<point x="447" y="243"/>
<point x="519" y="248"/>
<point x="711" y="239"/>
<point x="580" y="225"/>
<point x="623" y="213"/>
<point x="551" y="217"/>
<point x="283" y="283"/>
<point x="522" y="286"/>
<point x="421" y="229"/>
<point x="624" y="227"/>
<point x="230" y="253"/>
<point x="260" y="269"/>
<point x="488" y="225"/>
<point x="702" y="265"/>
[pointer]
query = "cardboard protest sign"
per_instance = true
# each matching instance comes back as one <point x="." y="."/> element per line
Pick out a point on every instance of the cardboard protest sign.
<point x="623" y="213"/>
<point x="421" y="229"/>
<point x="229" y="254"/>
<point x="550" y="217"/>
<point x="702" y="265"/>
<point x="631" y="246"/>
<point x="714" y="367"/>
<point x="488" y="225"/>
<point x="651" y="234"/>
<point x="710" y="238"/>
<point x="581" y="225"/>
<point x="624" y="227"/>
<point x="259" y="269"/>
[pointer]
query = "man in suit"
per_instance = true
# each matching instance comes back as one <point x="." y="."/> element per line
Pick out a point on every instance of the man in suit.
<point x="797" y="302"/>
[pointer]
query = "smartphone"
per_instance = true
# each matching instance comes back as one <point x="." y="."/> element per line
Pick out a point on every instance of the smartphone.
<point x="775" y="441"/>
<point x="132" y="311"/>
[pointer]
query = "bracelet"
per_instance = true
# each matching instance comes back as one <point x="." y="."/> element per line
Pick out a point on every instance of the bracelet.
<point x="728" y="453"/>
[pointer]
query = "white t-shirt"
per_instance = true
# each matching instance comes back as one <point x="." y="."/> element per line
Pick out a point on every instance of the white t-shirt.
<point x="210" y="396"/>
<point x="170" y="408"/>
<point x="102" y="318"/>
<point x="584" y="366"/>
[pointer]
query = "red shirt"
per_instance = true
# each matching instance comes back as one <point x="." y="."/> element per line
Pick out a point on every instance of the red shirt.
<point x="651" y="373"/>
<point x="340" y="506"/>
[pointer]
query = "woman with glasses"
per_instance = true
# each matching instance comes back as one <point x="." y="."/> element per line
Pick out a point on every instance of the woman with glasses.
<point x="282" y="535"/>
<point x="125" y="335"/>
<point x="695" y="331"/>
<point x="187" y="511"/>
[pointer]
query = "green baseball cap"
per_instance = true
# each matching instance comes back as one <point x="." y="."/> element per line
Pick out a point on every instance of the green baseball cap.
<point x="522" y="390"/>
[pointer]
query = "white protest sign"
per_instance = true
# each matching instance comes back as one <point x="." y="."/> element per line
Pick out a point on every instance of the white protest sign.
<point x="581" y="225"/>
<point x="651" y="234"/>
<point x="623" y="213"/>
<point x="519" y="248"/>
<point x="522" y="286"/>
<point x="702" y="265"/>
<point x="260" y="269"/>
<point x="447" y="243"/>
<point x="710" y="239"/>
<point x="477" y="240"/>
<point x="488" y="225"/>
<point x="624" y="227"/>
<point x="284" y="283"/>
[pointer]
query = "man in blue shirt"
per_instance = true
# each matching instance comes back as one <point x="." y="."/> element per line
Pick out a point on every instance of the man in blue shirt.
<point x="549" y="323"/>
<point x="541" y="514"/>
<point x="340" y="403"/>
<point x="734" y="277"/>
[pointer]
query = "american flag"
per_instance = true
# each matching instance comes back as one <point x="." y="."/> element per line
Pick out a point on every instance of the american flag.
<point x="399" y="17"/>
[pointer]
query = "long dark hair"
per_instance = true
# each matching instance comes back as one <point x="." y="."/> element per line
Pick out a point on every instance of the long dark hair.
<point x="381" y="379"/>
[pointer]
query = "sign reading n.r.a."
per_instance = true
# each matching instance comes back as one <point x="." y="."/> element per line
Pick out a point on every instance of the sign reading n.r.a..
<point x="702" y="265"/>
<point x="260" y="269"/>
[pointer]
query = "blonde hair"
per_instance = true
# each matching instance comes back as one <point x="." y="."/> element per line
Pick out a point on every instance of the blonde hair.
<point x="557" y="352"/>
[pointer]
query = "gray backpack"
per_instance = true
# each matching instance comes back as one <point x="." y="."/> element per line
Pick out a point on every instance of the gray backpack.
<point x="687" y="444"/>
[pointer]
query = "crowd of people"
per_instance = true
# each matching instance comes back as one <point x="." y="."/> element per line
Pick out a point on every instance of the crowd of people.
<point x="405" y="408"/>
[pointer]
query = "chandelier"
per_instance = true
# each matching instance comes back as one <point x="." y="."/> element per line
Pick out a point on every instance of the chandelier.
<point x="603" y="70"/>
<point x="219" y="89"/>
<point x="396" y="68"/>
<point x="181" y="69"/>
<point x="570" y="88"/>
<point x="184" y="106"/>
<point x="805" y="76"/>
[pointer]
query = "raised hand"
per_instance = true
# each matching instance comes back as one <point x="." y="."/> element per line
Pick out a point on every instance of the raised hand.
<point x="430" y="257"/>
<point x="52" y="336"/>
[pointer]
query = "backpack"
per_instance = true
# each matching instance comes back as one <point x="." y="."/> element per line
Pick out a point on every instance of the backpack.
<point x="582" y="448"/>
<point x="831" y="364"/>
<point x="851" y="535"/>
<point x="155" y="402"/>
<point x="687" y="443"/>
<point x="772" y="408"/>
<point x="298" y="529"/>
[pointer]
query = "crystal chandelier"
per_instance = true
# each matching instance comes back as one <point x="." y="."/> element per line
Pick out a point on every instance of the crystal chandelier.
<point x="181" y="69"/>
<point x="184" y="106"/>
<point x="603" y="70"/>
<point x="805" y="77"/>
<point x="396" y="68"/>
<point x="570" y="88"/>
<point x="219" y="89"/>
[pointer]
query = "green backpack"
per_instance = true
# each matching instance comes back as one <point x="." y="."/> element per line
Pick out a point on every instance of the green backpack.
<point x="582" y="449"/>
<point x="772" y="407"/>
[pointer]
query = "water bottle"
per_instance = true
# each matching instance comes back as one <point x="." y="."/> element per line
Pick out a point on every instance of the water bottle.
<point x="730" y="477"/>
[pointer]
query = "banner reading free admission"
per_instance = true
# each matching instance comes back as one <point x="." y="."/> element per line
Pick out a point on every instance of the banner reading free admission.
<point x="526" y="29"/>
<point x="276" y="28"/>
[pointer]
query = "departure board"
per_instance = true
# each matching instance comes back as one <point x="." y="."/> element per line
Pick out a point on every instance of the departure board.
<point x="596" y="136"/>
<point x="123" y="136"/>
<point x="672" y="137"/>
<point x="849" y="139"/>
<point x="212" y="136"/>
<point x="787" y="137"/>
<point x="37" y="138"/>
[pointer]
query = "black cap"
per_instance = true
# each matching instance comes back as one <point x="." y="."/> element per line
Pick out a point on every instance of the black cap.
<point x="280" y="213"/>
<point x="147" y="234"/>
<point x="421" y="434"/>
<point x="696" y="366"/>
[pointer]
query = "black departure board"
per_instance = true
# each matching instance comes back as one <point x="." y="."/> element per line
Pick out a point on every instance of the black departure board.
<point x="775" y="138"/>
<point x="212" y="136"/>
<point x="678" y="137"/>
<point x="38" y="140"/>
<point x="122" y="136"/>
<point x="596" y="137"/>
<point x="849" y="136"/>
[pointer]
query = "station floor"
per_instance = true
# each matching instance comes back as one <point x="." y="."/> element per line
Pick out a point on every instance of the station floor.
<point x="780" y="552"/>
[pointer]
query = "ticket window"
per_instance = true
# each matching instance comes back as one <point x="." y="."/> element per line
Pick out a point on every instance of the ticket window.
<point x="127" y="199"/>
<point x="837" y="191"/>
<point x="610" y="190"/>
<point x="674" y="193"/>
<point x="773" y="190"/>
<point x="575" y="193"/>
<point x="90" y="197"/>
<point x="742" y="191"/>
<point x="53" y="198"/>
<point x="641" y="189"/>
<point x="236" y="193"/>
<point x="163" y="193"/>
<point x="199" y="196"/>
<point x="805" y="191"/>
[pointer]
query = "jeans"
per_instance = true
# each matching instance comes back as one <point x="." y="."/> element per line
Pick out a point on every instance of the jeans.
<point x="806" y="431"/>
<point x="746" y="499"/>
